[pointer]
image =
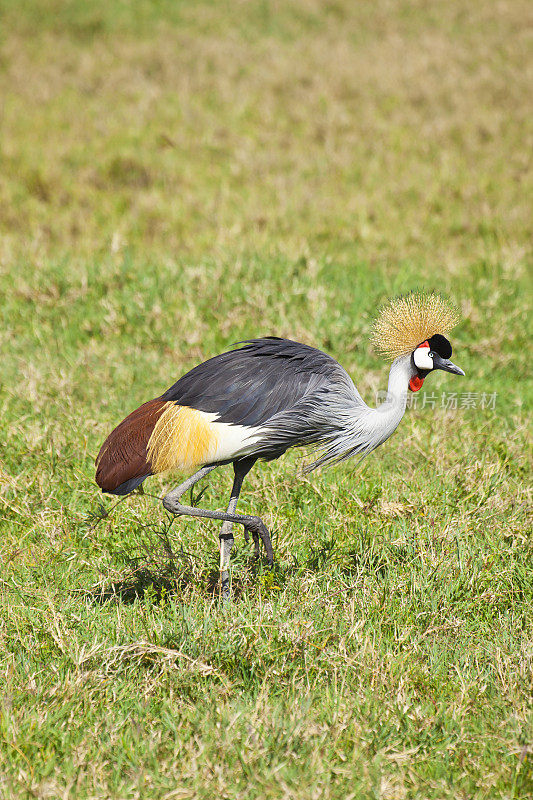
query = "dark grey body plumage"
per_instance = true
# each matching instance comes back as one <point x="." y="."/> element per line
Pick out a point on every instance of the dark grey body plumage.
<point x="273" y="383"/>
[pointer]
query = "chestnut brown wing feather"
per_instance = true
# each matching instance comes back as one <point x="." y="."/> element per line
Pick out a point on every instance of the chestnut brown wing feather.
<point x="123" y="457"/>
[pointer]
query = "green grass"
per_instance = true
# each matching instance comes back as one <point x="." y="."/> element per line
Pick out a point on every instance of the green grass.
<point x="177" y="177"/>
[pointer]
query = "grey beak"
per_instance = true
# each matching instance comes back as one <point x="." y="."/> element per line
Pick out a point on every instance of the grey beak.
<point x="446" y="365"/>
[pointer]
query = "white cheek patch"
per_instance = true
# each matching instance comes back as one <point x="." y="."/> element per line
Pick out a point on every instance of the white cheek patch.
<point x="422" y="359"/>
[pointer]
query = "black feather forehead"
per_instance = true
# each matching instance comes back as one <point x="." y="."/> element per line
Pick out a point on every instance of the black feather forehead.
<point x="407" y="321"/>
<point x="440" y="344"/>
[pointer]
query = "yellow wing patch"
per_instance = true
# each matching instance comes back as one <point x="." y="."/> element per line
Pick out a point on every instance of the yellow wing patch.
<point x="183" y="438"/>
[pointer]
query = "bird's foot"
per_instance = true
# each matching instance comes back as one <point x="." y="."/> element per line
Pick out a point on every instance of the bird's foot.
<point x="258" y="529"/>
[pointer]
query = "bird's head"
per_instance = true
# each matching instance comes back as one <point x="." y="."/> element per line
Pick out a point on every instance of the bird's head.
<point x="432" y="354"/>
<point x="415" y="325"/>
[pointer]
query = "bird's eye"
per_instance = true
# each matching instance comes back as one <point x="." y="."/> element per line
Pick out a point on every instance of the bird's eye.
<point x="430" y="354"/>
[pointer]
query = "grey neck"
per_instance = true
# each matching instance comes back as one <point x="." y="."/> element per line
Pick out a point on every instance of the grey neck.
<point x="362" y="428"/>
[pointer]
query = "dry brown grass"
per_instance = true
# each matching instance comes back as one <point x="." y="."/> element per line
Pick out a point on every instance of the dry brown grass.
<point x="400" y="130"/>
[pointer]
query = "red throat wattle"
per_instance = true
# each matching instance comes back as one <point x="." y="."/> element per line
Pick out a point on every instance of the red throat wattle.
<point x="416" y="383"/>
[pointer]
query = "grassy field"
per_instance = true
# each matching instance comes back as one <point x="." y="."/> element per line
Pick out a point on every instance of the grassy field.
<point x="177" y="176"/>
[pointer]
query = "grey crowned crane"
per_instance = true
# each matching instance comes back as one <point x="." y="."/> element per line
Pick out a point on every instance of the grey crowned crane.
<point x="257" y="401"/>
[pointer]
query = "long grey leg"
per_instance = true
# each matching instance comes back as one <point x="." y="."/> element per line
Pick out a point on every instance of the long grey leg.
<point x="241" y="468"/>
<point x="180" y="490"/>
<point x="254" y="525"/>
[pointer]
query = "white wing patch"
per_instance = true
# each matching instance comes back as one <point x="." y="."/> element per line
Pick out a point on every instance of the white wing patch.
<point x="234" y="440"/>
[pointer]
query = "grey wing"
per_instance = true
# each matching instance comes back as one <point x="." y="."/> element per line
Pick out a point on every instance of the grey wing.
<point x="279" y="385"/>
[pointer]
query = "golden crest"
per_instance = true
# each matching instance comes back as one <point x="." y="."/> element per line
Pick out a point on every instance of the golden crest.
<point x="407" y="321"/>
